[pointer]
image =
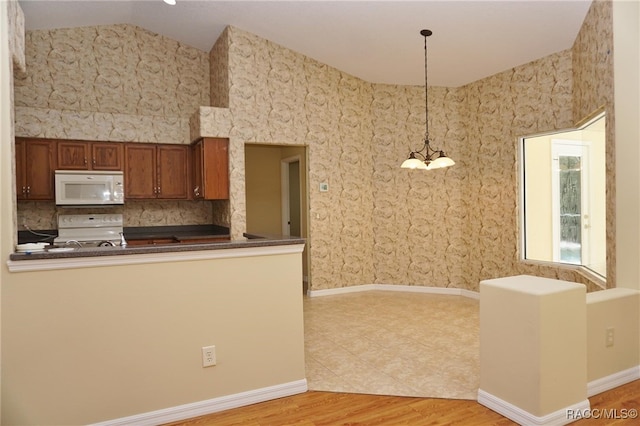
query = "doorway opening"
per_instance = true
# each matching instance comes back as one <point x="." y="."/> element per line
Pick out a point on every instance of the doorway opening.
<point x="277" y="193"/>
<point x="291" y="192"/>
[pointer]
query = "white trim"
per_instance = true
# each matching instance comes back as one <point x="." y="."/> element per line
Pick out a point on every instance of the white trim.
<point x="614" y="380"/>
<point x="209" y="406"/>
<point x="393" y="287"/>
<point x="136" y="259"/>
<point x="520" y="416"/>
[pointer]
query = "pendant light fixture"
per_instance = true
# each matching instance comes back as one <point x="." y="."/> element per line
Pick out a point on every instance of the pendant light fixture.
<point x="426" y="158"/>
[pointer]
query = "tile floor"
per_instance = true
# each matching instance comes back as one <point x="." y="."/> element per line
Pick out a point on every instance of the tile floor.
<point x="393" y="343"/>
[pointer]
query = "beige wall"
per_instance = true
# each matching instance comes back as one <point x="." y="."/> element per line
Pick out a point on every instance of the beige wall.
<point x="263" y="190"/>
<point x="264" y="186"/>
<point x="533" y="333"/>
<point x="618" y="309"/>
<point x="11" y="57"/>
<point x="626" y="23"/>
<point x="627" y="128"/>
<point x="92" y="344"/>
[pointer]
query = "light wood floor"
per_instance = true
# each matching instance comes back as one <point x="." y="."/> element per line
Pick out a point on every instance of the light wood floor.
<point x="331" y="409"/>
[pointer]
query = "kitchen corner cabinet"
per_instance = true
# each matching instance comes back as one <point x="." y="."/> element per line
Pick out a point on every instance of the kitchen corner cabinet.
<point x="83" y="155"/>
<point x="156" y="171"/>
<point x="211" y="169"/>
<point x="35" y="163"/>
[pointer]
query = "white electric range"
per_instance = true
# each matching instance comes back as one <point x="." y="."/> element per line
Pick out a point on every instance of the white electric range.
<point x="90" y="230"/>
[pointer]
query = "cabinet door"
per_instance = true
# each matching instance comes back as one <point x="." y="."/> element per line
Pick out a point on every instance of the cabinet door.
<point x="21" y="179"/>
<point x="34" y="169"/>
<point x="216" y="168"/>
<point x="173" y="178"/>
<point x="140" y="171"/>
<point x="73" y="155"/>
<point x="106" y="156"/>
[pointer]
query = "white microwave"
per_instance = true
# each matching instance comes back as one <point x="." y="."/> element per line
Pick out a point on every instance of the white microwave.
<point x="82" y="188"/>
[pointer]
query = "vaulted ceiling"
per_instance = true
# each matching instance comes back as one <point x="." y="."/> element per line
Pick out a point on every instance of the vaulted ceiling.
<point x="378" y="41"/>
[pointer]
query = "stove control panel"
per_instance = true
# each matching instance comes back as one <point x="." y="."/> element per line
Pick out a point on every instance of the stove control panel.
<point x="66" y="221"/>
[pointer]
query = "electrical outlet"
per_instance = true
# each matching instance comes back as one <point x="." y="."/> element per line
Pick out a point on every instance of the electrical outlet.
<point x="208" y="356"/>
<point x="610" y="334"/>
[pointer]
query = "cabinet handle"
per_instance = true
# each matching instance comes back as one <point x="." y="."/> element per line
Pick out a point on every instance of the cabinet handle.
<point x="94" y="161"/>
<point x="158" y="190"/>
<point x="85" y="161"/>
<point x="28" y="190"/>
<point x="196" y="191"/>
<point x="24" y="190"/>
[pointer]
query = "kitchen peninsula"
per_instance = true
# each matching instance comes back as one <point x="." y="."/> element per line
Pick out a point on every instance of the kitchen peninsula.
<point x="185" y="247"/>
<point x="132" y="322"/>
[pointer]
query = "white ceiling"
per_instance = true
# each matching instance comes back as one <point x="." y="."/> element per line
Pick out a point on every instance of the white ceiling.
<point x="378" y="41"/>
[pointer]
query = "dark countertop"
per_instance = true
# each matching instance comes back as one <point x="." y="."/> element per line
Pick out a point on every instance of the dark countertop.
<point x="180" y="233"/>
<point x="254" y="241"/>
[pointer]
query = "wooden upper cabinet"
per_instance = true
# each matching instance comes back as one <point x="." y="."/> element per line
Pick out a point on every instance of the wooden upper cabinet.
<point x="211" y="169"/>
<point x="106" y="156"/>
<point x="173" y="171"/>
<point x="156" y="171"/>
<point x="82" y="155"/>
<point x="139" y="171"/>
<point x="35" y="164"/>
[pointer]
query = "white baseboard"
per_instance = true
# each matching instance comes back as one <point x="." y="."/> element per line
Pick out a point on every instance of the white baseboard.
<point x="393" y="287"/>
<point x="613" y="381"/>
<point x="209" y="406"/>
<point x="520" y="416"/>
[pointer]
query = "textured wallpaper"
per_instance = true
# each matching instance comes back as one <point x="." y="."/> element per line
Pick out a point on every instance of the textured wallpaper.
<point x="593" y="89"/>
<point x="17" y="35"/>
<point x="279" y="96"/>
<point x="114" y="82"/>
<point x="377" y="223"/>
<point x="219" y="71"/>
<point x="119" y="69"/>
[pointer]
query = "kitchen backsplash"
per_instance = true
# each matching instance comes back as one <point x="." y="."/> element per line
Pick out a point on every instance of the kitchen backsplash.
<point x="43" y="215"/>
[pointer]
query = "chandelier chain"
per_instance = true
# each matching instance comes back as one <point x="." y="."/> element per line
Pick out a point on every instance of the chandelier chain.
<point x="426" y="93"/>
